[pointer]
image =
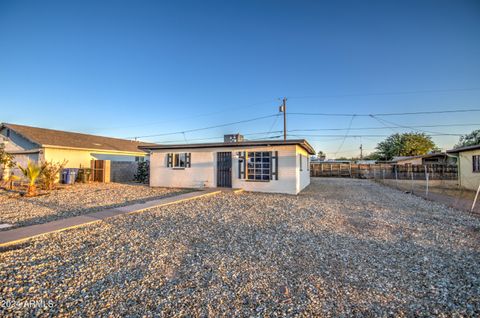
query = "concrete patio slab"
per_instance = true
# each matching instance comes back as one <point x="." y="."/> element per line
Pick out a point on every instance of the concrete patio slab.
<point x="20" y="235"/>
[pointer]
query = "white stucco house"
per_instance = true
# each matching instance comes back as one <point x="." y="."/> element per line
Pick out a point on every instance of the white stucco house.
<point x="263" y="166"/>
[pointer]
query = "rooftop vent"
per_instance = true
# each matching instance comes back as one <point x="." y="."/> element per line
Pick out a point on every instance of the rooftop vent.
<point x="233" y="138"/>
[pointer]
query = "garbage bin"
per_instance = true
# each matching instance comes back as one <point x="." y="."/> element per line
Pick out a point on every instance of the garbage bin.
<point x="69" y="175"/>
<point x="84" y="175"/>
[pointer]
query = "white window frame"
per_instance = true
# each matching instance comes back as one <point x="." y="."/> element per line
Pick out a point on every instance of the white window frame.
<point x="174" y="160"/>
<point x="259" y="165"/>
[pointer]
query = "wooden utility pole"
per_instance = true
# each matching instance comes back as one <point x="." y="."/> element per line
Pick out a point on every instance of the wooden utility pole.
<point x="283" y="109"/>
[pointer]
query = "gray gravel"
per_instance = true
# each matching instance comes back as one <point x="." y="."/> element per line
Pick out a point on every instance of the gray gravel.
<point x="341" y="248"/>
<point x="74" y="200"/>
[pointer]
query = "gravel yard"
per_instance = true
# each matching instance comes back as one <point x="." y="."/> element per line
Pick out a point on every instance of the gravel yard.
<point x="343" y="247"/>
<point x="75" y="200"/>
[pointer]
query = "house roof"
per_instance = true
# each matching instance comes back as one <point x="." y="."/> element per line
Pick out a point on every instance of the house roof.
<point x="466" y="148"/>
<point x="429" y="155"/>
<point x="57" y="138"/>
<point x="257" y="143"/>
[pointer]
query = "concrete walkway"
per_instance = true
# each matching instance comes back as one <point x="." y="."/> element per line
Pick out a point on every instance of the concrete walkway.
<point x="22" y="234"/>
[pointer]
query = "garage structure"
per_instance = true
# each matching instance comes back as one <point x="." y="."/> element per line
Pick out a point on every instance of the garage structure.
<point x="263" y="166"/>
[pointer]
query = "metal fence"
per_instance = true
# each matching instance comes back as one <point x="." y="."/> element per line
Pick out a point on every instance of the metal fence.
<point x="384" y="171"/>
<point x="433" y="182"/>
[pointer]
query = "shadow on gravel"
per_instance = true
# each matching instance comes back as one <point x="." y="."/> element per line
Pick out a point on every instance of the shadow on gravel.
<point x="247" y="256"/>
<point x="71" y="212"/>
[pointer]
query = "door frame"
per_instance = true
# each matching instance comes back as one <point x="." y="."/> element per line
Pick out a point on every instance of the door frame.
<point x="224" y="178"/>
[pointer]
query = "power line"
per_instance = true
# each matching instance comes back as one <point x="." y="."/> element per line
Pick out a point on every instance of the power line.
<point x="383" y="121"/>
<point x="390" y="93"/>
<point x="193" y="116"/>
<point x="204" y="128"/>
<point x="391" y="114"/>
<point x="384" y="127"/>
<point x="346" y="135"/>
<point x="359" y="136"/>
<point x="221" y="137"/>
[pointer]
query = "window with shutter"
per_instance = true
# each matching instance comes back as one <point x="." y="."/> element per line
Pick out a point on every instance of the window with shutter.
<point x="274" y="165"/>
<point x="179" y="160"/>
<point x="241" y="165"/>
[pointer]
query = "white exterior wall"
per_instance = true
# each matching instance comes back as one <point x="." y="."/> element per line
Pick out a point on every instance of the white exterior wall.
<point x="287" y="172"/>
<point x="203" y="170"/>
<point x="304" y="172"/>
<point x="201" y="173"/>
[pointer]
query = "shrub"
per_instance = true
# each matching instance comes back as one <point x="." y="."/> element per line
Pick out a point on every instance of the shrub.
<point x="6" y="160"/>
<point x="143" y="172"/>
<point x="50" y="173"/>
<point x="32" y="171"/>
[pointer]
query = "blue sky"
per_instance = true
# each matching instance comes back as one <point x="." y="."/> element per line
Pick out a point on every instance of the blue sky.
<point x="135" y="68"/>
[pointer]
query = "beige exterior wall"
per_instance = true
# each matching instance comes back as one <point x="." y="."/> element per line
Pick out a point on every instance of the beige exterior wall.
<point x="468" y="179"/>
<point x="81" y="158"/>
<point x="203" y="170"/>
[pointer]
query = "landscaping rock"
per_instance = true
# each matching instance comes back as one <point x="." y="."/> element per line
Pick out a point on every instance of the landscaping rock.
<point x="341" y="248"/>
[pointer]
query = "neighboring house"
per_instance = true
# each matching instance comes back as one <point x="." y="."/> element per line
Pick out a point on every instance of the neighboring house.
<point x="365" y="162"/>
<point x="468" y="166"/>
<point x="264" y="166"/>
<point x="40" y="144"/>
<point x="428" y="159"/>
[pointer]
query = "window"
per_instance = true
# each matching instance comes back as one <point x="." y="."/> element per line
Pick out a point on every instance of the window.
<point x="476" y="163"/>
<point x="259" y="165"/>
<point x="301" y="164"/>
<point x="179" y="160"/>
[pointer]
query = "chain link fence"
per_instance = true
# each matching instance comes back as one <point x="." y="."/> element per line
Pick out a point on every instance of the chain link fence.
<point x="434" y="182"/>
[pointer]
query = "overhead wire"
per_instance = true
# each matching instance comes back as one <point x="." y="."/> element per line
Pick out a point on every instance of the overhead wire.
<point x="389" y="114"/>
<point x="346" y="134"/>
<point x="204" y="128"/>
<point x="389" y="93"/>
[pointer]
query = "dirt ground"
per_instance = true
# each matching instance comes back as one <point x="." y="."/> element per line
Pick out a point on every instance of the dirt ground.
<point x="341" y="248"/>
<point x="444" y="191"/>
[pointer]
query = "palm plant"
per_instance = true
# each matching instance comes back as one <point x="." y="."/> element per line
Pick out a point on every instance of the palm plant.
<point x="31" y="172"/>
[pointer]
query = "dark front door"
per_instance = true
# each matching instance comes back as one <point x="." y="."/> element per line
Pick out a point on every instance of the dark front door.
<point x="224" y="169"/>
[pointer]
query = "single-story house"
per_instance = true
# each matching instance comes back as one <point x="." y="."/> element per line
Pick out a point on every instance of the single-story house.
<point x="263" y="166"/>
<point x="41" y="144"/>
<point x="468" y="166"/>
<point x="428" y="159"/>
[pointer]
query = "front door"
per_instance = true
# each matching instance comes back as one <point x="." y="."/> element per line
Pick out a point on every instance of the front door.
<point x="224" y="169"/>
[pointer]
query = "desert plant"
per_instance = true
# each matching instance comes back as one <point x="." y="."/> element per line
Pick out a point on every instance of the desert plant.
<point x="50" y="173"/>
<point x="6" y="160"/>
<point x="143" y="172"/>
<point x="32" y="171"/>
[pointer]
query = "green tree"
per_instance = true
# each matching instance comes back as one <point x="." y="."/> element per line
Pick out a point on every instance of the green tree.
<point x="321" y="155"/>
<point x="406" y="144"/>
<point x="470" y="139"/>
